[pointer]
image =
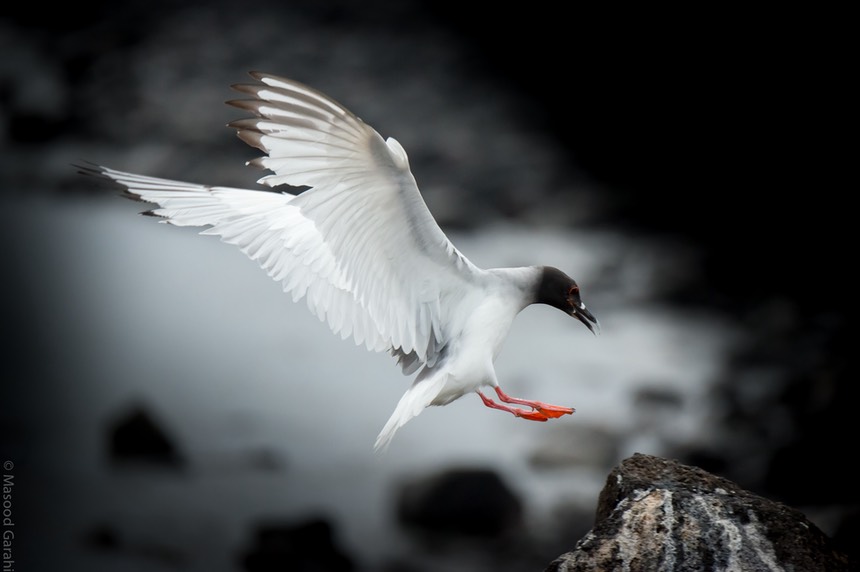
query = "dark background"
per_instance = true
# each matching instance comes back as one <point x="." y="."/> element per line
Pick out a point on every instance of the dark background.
<point x="728" y="131"/>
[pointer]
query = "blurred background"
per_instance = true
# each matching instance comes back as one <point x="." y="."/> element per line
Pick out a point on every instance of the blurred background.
<point x="164" y="405"/>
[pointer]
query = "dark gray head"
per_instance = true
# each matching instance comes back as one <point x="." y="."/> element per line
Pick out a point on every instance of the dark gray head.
<point x="561" y="291"/>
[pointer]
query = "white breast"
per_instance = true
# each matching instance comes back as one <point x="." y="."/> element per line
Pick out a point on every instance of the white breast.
<point x="486" y="324"/>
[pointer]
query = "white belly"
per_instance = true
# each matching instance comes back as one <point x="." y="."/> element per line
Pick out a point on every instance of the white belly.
<point x="470" y="363"/>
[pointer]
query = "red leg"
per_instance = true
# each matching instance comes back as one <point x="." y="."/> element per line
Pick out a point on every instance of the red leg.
<point x="549" y="411"/>
<point x="525" y="414"/>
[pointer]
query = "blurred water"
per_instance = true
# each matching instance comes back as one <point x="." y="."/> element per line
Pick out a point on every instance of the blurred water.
<point x="134" y="312"/>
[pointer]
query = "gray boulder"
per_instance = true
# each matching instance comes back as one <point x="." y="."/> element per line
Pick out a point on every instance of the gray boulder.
<point x="657" y="514"/>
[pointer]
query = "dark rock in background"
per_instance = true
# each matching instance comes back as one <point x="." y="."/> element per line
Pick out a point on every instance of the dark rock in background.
<point x="468" y="519"/>
<point x="304" y="547"/>
<point x="657" y="514"/>
<point x="460" y="502"/>
<point x="134" y="438"/>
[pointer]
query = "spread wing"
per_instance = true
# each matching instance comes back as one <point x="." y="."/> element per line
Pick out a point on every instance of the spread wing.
<point x="360" y="245"/>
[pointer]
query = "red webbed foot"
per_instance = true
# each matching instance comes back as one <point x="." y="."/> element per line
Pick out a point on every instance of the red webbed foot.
<point x="539" y="411"/>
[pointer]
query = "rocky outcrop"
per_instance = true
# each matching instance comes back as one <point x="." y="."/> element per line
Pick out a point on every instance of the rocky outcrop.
<point x="657" y="514"/>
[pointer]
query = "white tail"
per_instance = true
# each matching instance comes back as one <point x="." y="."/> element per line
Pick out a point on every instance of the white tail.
<point x="421" y="395"/>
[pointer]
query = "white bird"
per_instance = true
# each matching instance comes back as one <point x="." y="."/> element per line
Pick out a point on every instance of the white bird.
<point x="362" y="248"/>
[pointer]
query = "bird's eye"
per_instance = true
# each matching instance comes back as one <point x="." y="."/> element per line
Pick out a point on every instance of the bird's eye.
<point x="573" y="291"/>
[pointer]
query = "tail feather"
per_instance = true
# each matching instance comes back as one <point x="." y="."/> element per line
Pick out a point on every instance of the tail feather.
<point x="414" y="401"/>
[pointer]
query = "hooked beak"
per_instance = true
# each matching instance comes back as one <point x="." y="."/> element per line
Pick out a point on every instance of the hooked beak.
<point x="584" y="316"/>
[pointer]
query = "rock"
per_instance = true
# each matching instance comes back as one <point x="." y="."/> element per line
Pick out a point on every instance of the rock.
<point x="657" y="514"/>
<point x="135" y="438"/>
<point x="461" y="502"/>
<point x="306" y="546"/>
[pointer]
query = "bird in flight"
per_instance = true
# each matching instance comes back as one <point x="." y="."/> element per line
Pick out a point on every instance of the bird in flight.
<point x="362" y="248"/>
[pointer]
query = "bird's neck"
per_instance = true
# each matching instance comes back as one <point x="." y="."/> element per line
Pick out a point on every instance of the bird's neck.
<point x="523" y="282"/>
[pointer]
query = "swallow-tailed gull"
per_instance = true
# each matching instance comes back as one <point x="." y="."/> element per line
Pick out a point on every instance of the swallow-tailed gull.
<point x="362" y="248"/>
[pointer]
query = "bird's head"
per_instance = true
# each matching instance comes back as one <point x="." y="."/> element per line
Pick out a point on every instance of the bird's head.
<point x="561" y="291"/>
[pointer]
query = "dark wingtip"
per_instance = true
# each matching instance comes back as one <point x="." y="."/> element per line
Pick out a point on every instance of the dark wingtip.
<point x="247" y="88"/>
<point x="245" y="124"/>
<point x="252" y="138"/>
<point x="88" y="168"/>
<point x="251" y="105"/>
<point x="133" y="197"/>
<point x="96" y="171"/>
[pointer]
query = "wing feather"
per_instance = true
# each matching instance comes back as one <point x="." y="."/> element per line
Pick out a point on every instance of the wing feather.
<point x="360" y="245"/>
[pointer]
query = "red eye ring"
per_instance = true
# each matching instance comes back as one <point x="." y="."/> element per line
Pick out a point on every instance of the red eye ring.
<point x="573" y="290"/>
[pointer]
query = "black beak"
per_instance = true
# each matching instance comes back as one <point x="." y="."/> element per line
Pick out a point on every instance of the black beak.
<point x="584" y="316"/>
